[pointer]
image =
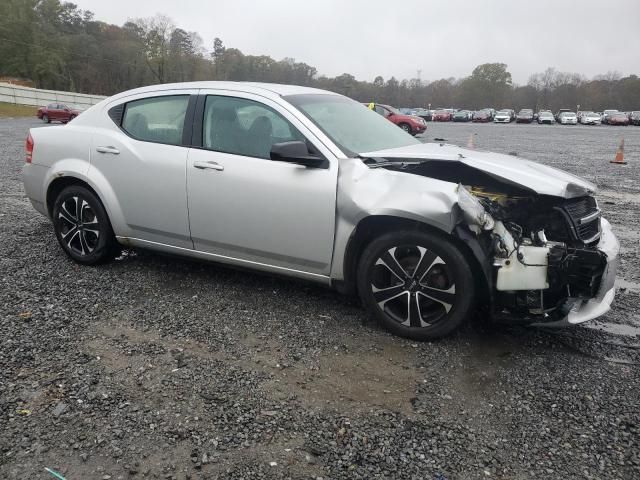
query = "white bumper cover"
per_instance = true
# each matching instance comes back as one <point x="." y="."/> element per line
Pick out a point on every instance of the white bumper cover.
<point x="597" y="306"/>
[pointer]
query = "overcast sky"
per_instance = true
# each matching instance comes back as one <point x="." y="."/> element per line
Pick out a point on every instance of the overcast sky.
<point x="443" y="38"/>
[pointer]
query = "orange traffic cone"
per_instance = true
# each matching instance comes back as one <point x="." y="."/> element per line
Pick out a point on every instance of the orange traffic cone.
<point x="471" y="143"/>
<point x="620" y="154"/>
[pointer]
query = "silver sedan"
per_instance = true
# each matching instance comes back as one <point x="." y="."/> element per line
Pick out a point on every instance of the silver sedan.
<point x="310" y="184"/>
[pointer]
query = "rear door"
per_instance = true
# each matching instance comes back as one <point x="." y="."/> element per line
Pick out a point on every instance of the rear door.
<point x="141" y="154"/>
<point x="245" y="206"/>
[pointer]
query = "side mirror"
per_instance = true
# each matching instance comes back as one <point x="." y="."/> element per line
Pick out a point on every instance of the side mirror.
<point x="296" y="152"/>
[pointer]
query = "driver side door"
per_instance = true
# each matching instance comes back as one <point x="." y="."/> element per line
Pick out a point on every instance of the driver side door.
<point x="249" y="209"/>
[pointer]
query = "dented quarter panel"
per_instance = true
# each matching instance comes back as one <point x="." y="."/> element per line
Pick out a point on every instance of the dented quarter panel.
<point x="365" y="192"/>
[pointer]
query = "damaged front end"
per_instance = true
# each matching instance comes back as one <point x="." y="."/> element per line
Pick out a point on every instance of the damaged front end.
<point x="547" y="255"/>
<point x="553" y="260"/>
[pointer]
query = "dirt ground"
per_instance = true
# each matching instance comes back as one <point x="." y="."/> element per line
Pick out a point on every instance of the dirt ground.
<point x="158" y="367"/>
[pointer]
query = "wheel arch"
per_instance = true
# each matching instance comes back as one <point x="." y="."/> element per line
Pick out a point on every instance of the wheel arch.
<point x="60" y="183"/>
<point x="373" y="226"/>
<point x="62" y="180"/>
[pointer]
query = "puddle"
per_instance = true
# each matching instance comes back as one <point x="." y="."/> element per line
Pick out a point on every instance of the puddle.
<point x="615" y="329"/>
<point x="621" y="283"/>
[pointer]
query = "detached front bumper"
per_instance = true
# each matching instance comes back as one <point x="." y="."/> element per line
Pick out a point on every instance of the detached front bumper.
<point x="585" y="310"/>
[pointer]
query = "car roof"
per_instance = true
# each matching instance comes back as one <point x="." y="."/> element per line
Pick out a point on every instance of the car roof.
<point x="248" y="87"/>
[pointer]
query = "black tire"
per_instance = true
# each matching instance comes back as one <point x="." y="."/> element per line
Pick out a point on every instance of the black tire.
<point x="46" y="119"/>
<point x="406" y="127"/>
<point x="443" y="272"/>
<point x="82" y="226"/>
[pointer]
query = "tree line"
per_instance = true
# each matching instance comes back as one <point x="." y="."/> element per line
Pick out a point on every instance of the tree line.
<point x="59" y="46"/>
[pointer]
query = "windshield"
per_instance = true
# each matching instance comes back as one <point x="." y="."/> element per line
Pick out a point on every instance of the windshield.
<point x="353" y="127"/>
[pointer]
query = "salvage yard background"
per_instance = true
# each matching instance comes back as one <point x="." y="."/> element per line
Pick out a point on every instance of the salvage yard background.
<point x="155" y="367"/>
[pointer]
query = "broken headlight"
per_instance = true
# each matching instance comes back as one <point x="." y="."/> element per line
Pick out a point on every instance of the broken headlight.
<point x="474" y="212"/>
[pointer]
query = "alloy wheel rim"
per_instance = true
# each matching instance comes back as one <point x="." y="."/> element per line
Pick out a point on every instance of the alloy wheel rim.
<point x="79" y="227"/>
<point x="413" y="285"/>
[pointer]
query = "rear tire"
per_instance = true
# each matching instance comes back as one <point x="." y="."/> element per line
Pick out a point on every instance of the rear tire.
<point x="46" y="119"/>
<point x="418" y="285"/>
<point x="82" y="227"/>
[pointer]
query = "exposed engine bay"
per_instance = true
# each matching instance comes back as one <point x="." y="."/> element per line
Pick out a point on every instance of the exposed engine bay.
<point x="541" y="250"/>
<point x="544" y="251"/>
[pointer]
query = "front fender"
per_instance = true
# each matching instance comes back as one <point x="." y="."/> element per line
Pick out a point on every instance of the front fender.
<point x="365" y="192"/>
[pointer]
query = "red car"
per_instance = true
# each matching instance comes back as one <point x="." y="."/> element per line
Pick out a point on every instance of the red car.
<point x="411" y="124"/>
<point x="442" y="116"/>
<point x="57" y="112"/>
<point x="618" y="119"/>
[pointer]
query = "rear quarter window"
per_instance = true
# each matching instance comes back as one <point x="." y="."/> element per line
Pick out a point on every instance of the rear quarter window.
<point x="156" y="119"/>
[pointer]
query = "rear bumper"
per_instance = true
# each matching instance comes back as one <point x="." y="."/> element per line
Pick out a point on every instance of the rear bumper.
<point x="585" y="310"/>
<point x="33" y="178"/>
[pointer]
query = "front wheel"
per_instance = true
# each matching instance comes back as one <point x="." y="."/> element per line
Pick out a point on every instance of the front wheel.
<point x="417" y="284"/>
<point x="82" y="226"/>
<point x="406" y="127"/>
<point x="46" y="119"/>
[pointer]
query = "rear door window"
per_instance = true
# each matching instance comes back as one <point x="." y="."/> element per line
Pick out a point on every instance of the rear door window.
<point x="156" y="119"/>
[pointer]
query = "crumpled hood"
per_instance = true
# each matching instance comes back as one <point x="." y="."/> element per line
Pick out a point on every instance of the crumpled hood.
<point x="524" y="173"/>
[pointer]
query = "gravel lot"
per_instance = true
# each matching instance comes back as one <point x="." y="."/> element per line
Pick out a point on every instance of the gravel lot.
<point x="156" y="367"/>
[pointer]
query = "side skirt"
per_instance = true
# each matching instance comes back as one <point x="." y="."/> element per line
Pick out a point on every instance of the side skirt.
<point x="211" y="257"/>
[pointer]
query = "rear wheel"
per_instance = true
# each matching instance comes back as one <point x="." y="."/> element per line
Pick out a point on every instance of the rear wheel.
<point x="82" y="226"/>
<point x="46" y="119"/>
<point x="417" y="284"/>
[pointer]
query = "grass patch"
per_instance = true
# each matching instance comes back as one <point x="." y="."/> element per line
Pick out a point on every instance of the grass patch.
<point x="11" y="110"/>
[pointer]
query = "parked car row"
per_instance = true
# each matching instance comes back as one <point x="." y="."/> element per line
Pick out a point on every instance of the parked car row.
<point x="563" y="116"/>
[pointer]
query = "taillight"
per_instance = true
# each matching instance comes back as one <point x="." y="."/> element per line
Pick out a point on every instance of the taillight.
<point x="29" y="149"/>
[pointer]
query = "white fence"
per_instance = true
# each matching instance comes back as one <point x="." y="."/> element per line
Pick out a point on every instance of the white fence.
<point x="17" y="94"/>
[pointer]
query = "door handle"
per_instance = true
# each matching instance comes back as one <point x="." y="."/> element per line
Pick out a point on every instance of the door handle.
<point x="210" y="165"/>
<point x="109" y="149"/>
